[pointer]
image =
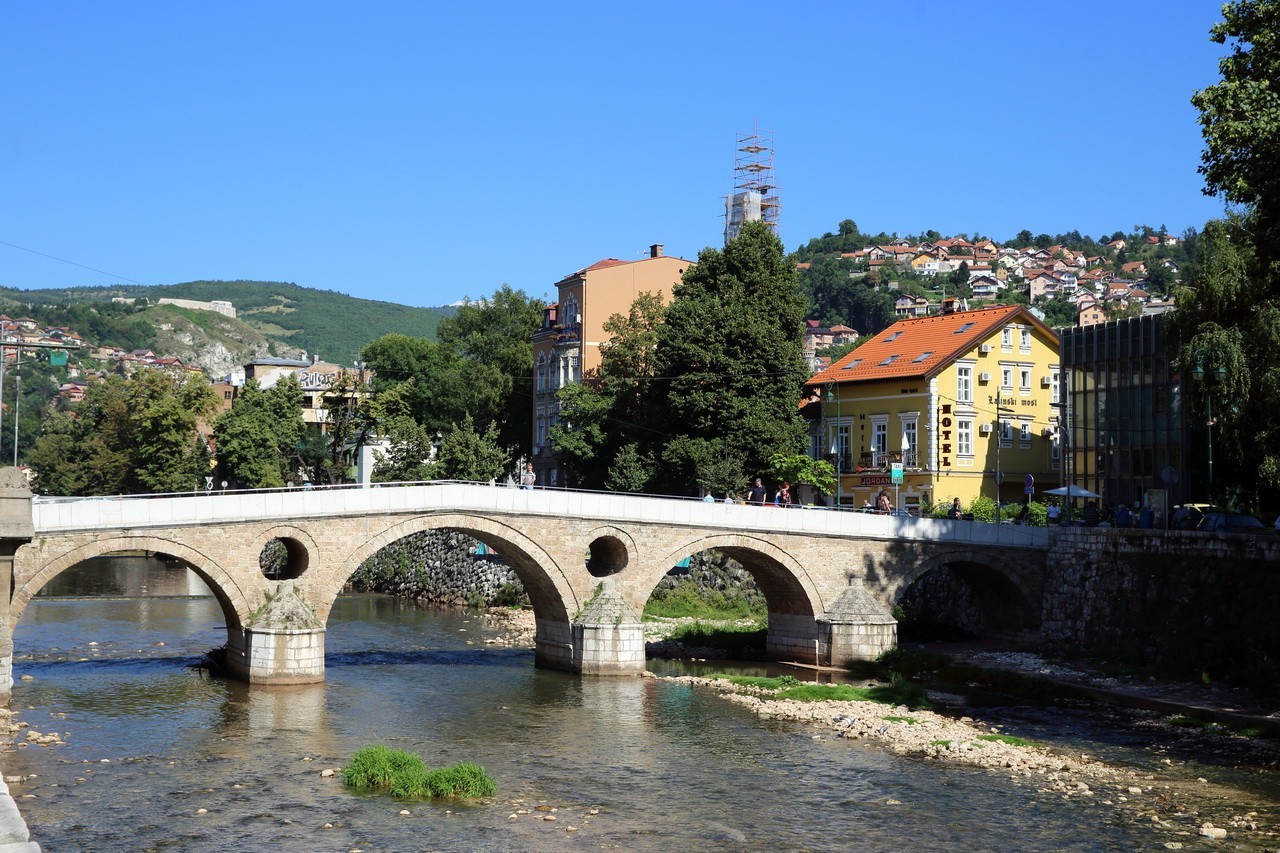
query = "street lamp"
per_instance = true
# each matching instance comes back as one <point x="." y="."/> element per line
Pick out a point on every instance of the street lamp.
<point x="1219" y="374"/>
<point x="831" y="394"/>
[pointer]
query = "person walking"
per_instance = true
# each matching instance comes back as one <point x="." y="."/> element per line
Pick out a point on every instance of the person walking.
<point x="1053" y="513"/>
<point x="956" y="510"/>
<point x="783" y="497"/>
<point x="757" y="494"/>
<point x="882" y="503"/>
<point x="528" y="478"/>
<point x="1092" y="517"/>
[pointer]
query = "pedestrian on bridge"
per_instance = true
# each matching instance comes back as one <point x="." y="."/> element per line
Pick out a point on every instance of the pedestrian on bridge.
<point x="757" y="494"/>
<point x="528" y="478"/>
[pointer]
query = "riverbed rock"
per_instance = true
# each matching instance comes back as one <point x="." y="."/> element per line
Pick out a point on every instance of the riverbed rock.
<point x="1208" y="830"/>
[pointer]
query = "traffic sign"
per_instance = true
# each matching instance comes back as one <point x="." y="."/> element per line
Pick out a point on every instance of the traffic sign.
<point x="895" y="473"/>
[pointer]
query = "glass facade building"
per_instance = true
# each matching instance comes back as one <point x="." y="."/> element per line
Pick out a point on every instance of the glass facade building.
<point x="1124" y="423"/>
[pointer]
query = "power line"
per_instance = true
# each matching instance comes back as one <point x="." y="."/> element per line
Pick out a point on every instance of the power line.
<point x="72" y="263"/>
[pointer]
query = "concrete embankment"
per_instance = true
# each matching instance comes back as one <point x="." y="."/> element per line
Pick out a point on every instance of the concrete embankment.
<point x="14" y="836"/>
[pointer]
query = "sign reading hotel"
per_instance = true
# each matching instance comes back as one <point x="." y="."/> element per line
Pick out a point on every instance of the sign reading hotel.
<point x="945" y="425"/>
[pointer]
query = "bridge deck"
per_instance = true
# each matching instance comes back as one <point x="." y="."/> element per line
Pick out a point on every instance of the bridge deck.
<point x="61" y="515"/>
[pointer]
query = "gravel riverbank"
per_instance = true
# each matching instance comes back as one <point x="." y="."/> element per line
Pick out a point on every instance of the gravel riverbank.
<point x="1181" y="811"/>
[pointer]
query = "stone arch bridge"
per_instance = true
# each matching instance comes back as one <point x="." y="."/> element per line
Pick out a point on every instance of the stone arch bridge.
<point x="588" y="561"/>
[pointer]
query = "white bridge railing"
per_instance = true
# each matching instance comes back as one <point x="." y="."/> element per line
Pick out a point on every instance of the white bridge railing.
<point x="109" y="515"/>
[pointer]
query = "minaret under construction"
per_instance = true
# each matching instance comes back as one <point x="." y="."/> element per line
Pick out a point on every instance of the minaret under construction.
<point x="755" y="191"/>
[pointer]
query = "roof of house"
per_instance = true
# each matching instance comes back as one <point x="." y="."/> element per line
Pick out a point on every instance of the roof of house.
<point x="606" y="263"/>
<point x="924" y="346"/>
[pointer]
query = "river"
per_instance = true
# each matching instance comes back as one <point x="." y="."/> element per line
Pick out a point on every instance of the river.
<point x="150" y="742"/>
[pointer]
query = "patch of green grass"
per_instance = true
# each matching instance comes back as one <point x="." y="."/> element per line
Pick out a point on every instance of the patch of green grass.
<point x="403" y="774"/>
<point x="827" y="693"/>
<point x="688" y="600"/>
<point x="728" y="637"/>
<point x="893" y="718"/>
<point x="761" y="682"/>
<point x="942" y="743"/>
<point x="897" y="692"/>
<point x="1009" y="739"/>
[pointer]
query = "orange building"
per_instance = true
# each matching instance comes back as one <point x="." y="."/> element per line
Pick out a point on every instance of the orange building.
<point x="567" y="347"/>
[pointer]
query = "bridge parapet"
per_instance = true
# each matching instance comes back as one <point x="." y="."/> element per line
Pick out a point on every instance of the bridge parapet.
<point x="73" y="514"/>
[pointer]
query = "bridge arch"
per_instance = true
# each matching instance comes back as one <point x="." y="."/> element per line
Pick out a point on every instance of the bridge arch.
<point x="549" y="590"/>
<point x="996" y="588"/>
<point x="783" y="581"/>
<point x="792" y="597"/>
<point x="224" y="585"/>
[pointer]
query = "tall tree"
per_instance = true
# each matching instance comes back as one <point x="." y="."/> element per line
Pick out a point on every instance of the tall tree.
<point x="127" y="436"/>
<point x="258" y="439"/>
<point x="1240" y="120"/>
<point x="498" y="332"/>
<point x="729" y="361"/>
<point x="446" y="387"/>
<point x="1229" y="320"/>
<point x="470" y="454"/>
<point x="611" y="411"/>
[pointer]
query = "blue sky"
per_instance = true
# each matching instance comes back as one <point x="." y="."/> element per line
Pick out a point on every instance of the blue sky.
<point x="418" y="153"/>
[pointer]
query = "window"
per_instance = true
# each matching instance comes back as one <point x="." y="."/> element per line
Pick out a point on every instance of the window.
<point x="1024" y="433"/>
<point x="890" y="360"/>
<point x="909" y="446"/>
<point x="921" y="357"/>
<point x="842" y="447"/>
<point x="964" y="383"/>
<point x="1056" y="383"/>
<point x="1006" y="434"/>
<point x="879" y="438"/>
<point x="892" y="337"/>
<point x="1024" y="379"/>
<point x="1026" y="340"/>
<point x="542" y="373"/>
<point x="1006" y="337"/>
<point x="542" y="428"/>
<point x="853" y="364"/>
<point x="966" y="327"/>
<point x="1006" y="377"/>
<point x="964" y="437"/>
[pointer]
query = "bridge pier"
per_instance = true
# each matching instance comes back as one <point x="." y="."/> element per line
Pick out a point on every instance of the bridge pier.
<point x="604" y="638"/>
<point x="282" y="642"/>
<point x="856" y="627"/>
<point x="17" y="527"/>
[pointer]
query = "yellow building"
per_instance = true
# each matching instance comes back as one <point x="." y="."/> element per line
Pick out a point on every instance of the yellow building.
<point x="567" y="347"/>
<point x="960" y="401"/>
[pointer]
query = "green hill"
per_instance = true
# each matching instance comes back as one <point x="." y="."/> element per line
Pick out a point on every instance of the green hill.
<point x="333" y="325"/>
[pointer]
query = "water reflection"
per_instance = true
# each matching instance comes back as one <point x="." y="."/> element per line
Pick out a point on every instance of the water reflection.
<point x="666" y="765"/>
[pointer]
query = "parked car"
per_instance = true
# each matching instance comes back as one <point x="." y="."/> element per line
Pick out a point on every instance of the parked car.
<point x="1225" y="521"/>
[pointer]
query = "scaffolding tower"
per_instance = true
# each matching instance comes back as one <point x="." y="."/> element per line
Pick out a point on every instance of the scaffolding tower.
<point x="755" y="190"/>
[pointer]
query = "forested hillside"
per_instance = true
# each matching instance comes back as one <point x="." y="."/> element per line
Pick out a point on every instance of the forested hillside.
<point x="334" y="325"/>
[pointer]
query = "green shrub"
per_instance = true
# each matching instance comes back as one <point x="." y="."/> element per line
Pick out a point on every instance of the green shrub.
<point x="463" y="780"/>
<point x="403" y="774"/>
<point x="378" y="767"/>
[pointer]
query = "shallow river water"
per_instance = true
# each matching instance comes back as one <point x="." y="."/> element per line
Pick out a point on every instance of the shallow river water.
<point x="150" y="742"/>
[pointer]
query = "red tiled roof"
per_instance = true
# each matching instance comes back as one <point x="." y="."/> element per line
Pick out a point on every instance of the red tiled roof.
<point x="944" y="337"/>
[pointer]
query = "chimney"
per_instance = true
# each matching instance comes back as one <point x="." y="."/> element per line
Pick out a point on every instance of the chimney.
<point x="655" y="251"/>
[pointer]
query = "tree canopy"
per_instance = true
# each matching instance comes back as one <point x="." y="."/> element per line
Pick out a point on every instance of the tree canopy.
<point x="127" y="436"/>
<point x="1228" y="320"/>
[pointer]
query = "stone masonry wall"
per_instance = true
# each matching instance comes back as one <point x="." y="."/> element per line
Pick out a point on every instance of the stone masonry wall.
<point x="439" y="567"/>
<point x="1131" y="597"/>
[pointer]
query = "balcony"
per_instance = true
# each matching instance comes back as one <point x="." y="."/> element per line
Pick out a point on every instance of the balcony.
<point x="877" y="460"/>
